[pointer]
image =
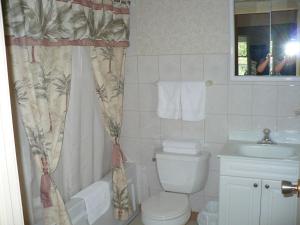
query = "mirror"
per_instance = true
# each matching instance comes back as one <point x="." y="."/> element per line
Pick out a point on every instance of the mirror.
<point x="266" y="38"/>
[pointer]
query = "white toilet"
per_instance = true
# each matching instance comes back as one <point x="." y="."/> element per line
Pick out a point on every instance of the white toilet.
<point x="180" y="174"/>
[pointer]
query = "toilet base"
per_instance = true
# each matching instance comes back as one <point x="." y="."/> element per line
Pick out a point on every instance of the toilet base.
<point x="166" y="208"/>
<point x="181" y="220"/>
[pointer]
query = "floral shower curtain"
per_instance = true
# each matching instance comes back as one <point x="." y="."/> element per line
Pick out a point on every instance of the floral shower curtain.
<point x="108" y="62"/>
<point x="40" y="34"/>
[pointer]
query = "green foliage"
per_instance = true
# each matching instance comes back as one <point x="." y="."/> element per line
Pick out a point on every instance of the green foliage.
<point x="21" y="88"/>
<point x="47" y="21"/>
<point x="42" y="81"/>
<point x="120" y="195"/>
<point x="118" y="87"/>
<point x="104" y="28"/>
<point x="37" y="141"/>
<point x="62" y="84"/>
<point x="101" y="92"/>
<point x="242" y="49"/>
<point x="114" y="128"/>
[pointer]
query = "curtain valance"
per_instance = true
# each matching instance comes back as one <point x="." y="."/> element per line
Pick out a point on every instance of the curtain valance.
<point x="98" y="23"/>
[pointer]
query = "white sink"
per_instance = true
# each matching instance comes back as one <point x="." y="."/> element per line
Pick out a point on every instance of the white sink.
<point x="274" y="151"/>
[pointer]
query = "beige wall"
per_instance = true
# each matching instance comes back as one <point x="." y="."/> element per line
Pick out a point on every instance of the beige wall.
<point x="189" y="40"/>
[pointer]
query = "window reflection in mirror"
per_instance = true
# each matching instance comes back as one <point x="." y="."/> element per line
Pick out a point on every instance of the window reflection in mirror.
<point x="266" y="37"/>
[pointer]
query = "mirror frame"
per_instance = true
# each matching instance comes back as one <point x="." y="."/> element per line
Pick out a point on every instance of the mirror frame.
<point x="233" y="77"/>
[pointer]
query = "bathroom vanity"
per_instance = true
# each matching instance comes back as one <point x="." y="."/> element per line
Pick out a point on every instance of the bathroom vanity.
<point x="250" y="184"/>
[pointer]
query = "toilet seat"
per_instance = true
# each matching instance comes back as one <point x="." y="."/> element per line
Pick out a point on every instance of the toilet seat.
<point x="166" y="208"/>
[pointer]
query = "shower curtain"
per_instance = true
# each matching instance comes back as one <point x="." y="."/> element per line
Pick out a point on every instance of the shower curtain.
<point x="40" y="34"/>
<point x="83" y="148"/>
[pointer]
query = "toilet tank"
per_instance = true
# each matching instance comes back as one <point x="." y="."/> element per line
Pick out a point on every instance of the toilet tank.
<point x="182" y="173"/>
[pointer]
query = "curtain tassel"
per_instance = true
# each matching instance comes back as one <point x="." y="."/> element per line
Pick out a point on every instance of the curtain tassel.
<point x="45" y="186"/>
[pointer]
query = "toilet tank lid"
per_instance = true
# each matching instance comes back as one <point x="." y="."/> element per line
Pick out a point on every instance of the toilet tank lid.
<point x="186" y="151"/>
<point x="181" y="144"/>
<point x="202" y="155"/>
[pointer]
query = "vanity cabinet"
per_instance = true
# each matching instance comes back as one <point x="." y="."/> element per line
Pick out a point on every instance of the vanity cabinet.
<point x="275" y="208"/>
<point x="239" y="201"/>
<point x="250" y="193"/>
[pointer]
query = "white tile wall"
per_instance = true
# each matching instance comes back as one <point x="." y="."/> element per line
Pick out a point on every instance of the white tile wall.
<point x="131" y="69"/>
<point x="150" y="125"/>
<point x="148" y="69"/>
<point x="239" y="122"/>
<point x="288" y="100"/>
<point x="148" y="97"/>
<point x="192" y="67"/>
<point x="216" y="127"/>
<point x="132" y="146"/>
<point x="240" y="99"/>
<point x="193" y="46"/>
<point x="131" y="96"/>
<point x="171" y="129"/>
<point x="169" y="67"/>
<point x="131" y="124"/>
<point x="148" y="147"/>
<point x="193" y="130"/>
<point x="217" y="99"/>
<point x="216" y="68"/>
<point x="265" y="100"/>
<point x="261" y="122"/>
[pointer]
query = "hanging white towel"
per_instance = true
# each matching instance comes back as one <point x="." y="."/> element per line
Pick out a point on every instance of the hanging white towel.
<point x="97" y="199"/>
<point x="193" y="95"/>
<point x="169" y="99"/>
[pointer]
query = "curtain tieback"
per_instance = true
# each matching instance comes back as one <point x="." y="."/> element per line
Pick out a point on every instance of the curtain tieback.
<point x="45" y="185"/>
<point x="117" y="156"/>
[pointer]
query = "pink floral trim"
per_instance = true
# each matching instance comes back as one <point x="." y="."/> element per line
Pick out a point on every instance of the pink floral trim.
<point x="26" y="41"/>
<point x="98" y="6"/>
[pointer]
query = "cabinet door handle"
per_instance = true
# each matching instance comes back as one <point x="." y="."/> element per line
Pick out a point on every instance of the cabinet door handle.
<point x="255" y="185"/>
<point x="267" y="186"/>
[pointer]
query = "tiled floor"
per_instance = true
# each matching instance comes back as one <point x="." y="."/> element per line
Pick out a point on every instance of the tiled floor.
<point x="138" y="221"/>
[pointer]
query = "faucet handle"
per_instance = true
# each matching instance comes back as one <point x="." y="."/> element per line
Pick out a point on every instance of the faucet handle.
<point x="267" y="131"/>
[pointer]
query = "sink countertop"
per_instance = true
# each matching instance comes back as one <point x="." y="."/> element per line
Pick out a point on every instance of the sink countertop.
<point x="231" y="149"/>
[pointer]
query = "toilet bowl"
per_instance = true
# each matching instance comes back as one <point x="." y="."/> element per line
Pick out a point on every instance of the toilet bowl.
<point x="180" y="175"/>
<point x="166" y="208"/>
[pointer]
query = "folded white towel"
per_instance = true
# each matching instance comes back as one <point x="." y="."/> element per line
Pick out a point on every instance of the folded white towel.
<point x="169" y="100"/>
<point x="186" y="144"/>
<point x="97" y="199"/>
<point x="193" y="95"/>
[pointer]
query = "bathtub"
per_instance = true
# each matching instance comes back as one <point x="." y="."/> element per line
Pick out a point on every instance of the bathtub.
<point x="77" y="210"/>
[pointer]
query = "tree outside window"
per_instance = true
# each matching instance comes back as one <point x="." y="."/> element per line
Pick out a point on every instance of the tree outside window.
<point x="242" y="55"/>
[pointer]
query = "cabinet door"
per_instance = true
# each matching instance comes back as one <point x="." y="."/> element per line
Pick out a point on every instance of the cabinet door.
<point x="239" y="201"/>
<point x="275" y="208"/>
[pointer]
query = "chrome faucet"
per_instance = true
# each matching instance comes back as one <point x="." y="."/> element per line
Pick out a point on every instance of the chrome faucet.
<point x="266" y="139"/>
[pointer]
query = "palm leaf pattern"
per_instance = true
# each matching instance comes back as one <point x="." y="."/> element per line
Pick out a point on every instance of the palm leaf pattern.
<point x="114" y="128"/>
<point x="120" y="198"/>
<point x="106" y="28"/>
<point x="62" y="84"/>
<point x="21" y="90"/>
<point x="64" y="20"/>
<point x="118" y="87"/>
<point x="38" y="142"/>
<point x="48" y="20"/>
<point x="101" y="92"/>
<point x="108" y="54"/>
<point x="43" y="82"/>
